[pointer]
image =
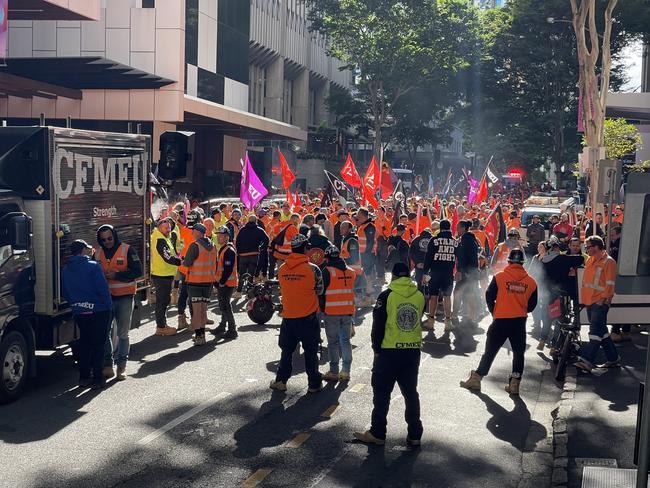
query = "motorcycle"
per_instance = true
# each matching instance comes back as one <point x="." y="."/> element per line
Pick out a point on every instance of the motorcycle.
<point x="260" y="306"/>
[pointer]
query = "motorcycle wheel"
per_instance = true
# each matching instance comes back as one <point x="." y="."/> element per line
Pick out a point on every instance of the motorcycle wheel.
<point x="260" y="311"/>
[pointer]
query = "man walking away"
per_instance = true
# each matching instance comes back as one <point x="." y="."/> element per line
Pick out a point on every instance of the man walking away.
<point x="467" y="275"/>
<point x="226" y="281"/>
<point x="511" y="296"/>
<point x="439" y="264"/>
<point x="86" y="290"/>
<point x="201" y="262"/>
<point x="301" y="283"/>
<point x="164" y="264"/>
<point x="597" y="293"/>
<point x="396" y="340"/>
<point x="121" y="266"/>
<point x="338" y="306"/>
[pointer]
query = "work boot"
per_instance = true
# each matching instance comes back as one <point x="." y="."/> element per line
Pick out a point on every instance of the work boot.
<point x="315" y="389"/>
<point x="513" y="386"/>
<point x="541" y="345"/>
<point x="231" y="334"/>
<point x="108" y="372"/>
<point x="121" y="373"/>
<point x="278" y="385"/>
<point x="199" y="340"/>
<point x="611" y="364"/>
<point x="165" y="331"/>
<point x="367" y="438"/>
<point x="237" y="295"/>
<point x="584" y="366"/>
<point x="448" y="324"/>
<point x="219" y="330"/>
<point x="329" y="376"/>
<point x="473" y="382"/>
<point x="343" y="376"/>
<point x="413" y="443"/>
<point x="429" y="323"/>
<point x="182" y="322"/>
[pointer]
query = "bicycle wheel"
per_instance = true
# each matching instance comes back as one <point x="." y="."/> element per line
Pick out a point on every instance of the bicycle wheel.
<point x="563" y="358"/>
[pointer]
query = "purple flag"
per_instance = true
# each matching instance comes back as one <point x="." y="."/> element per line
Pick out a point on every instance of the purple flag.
<point x="473" y="190"/>
<point x="251" y="189"/>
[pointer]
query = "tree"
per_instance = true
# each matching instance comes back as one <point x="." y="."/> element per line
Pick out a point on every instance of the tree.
<point x="395" y="45"/>
<point x="593" y="90"/>
<point x="623" y="139"/>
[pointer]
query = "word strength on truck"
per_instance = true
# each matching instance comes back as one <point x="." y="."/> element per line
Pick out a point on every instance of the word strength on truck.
<point x="105" y="212"/>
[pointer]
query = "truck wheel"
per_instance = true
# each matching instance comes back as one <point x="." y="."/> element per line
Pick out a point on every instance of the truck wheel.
<point x="13" y="373"/>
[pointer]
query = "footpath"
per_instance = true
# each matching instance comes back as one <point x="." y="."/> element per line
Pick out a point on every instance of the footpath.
<point x="595" y="422"/>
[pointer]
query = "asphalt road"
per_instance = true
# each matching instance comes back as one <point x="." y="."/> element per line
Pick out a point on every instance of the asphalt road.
<point x="204" y="416"/>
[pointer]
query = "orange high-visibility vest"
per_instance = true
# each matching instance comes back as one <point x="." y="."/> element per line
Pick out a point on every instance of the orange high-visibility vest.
<point x="232" y="279"/>
<point x="501" y="262"/>
<point x="284" y="249"/>
<point x="202" y="270"/>
<point x="515" y="287"/>
<point x="118" y="263"/>
<point x="361" y="234"/>
<point x="339" y="296"/>
<point x="297" y="287"/>
<point x="345" y="254"/>
<point x="599" y="279"/>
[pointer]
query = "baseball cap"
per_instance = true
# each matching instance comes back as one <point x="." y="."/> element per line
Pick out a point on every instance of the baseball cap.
<point x="513" y="232"/>
<point x="332" y="251"/>
<point x="223" y="230"/>
<point x="401" y="270"/>
<point x="200" y="227"/>
<point x="77" y="246"/>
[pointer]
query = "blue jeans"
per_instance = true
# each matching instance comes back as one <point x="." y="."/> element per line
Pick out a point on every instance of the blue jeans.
<point x="598" y="335"/>
<point x="121" y="324"/>
<point x="337" y="329"/>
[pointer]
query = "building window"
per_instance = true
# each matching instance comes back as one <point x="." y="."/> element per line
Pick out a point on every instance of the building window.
<point x="257" y="90"/>
<point x="287" y="107"/>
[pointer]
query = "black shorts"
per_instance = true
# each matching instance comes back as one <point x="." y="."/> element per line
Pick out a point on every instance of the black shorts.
<point x="199" y="293"/>
<point x="441" y="284"/>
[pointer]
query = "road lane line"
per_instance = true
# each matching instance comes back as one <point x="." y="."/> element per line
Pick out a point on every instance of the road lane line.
<point x="357" y="388"/>
<point x="330" y="411"/>
<point x="329" y="467"/>
<point x="256" y="478"/>
<point x="182" y="418"/>
<point x="298" y="441"/>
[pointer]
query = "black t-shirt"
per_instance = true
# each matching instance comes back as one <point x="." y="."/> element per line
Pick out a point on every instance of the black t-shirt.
<point x="441" y="253"/>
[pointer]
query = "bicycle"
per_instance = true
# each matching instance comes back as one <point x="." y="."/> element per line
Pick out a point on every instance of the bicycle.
<point x="568" y="339"/>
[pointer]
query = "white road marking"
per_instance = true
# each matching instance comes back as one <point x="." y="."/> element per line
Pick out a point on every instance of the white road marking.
<point x="182" y="418"/>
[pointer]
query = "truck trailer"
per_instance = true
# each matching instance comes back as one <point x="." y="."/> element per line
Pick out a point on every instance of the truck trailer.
<point x="58" y="185"/>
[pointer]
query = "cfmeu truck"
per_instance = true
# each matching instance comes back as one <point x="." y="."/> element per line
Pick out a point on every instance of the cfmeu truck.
<point x="58" y="185"/>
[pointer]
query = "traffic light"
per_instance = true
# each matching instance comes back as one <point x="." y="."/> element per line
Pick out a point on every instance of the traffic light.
<point x="176" y="156"/>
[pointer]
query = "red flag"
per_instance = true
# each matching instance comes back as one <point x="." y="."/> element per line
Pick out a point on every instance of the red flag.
<point x="290" y="199"/>
<point x="297" y="205"/>
<point x="495" y="227"/>
<point x="349" y="173"/>
<point x="287" y="175"/>
<point x="371" y="183"/>
<point x="454" y="221"/>
<point x="436" y="205"/>
<point x="386" y="181"/>
<point x="482" y="192"/>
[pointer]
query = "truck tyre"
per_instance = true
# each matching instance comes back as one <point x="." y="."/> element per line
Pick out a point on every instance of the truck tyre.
<point x="14" y="357"/>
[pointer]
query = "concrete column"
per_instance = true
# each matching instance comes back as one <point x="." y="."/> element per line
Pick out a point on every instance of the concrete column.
<point x="274" y="89"/>
<point x="301" y="100"/>
<point x="645" y="70"/>
<point x="322" y="113"/>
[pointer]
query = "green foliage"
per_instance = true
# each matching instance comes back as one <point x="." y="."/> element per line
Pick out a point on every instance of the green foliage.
<point x="621" y="138"/>
<point x="405" y="54"/>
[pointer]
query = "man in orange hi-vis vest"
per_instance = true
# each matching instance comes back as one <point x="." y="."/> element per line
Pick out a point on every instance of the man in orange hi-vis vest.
<point x="122" y="266"/>
<point x="338" y="306"/>
<point x="201" y="262"/>
<point x="597" y="292"/>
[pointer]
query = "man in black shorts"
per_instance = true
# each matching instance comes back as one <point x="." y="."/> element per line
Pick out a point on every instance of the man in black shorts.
<point x="439" y="264"/>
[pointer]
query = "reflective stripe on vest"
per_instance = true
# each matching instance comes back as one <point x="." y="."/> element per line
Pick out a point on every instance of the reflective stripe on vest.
<point x="339" y="296"/>
<point x="203" y="269"/>
<point x="232" y="279"/>
<point x="118" y="263"/>
<point x="345" y="254"/>
<point x="403" y="322"/>
<point x="361" y="234"/>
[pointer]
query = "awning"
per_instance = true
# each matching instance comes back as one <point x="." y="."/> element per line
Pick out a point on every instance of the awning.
<point x="25" y="88"/>
<point x="84" y="73"/>
<point x="630" y="106"/>
<point x="54" y="10"/>
<point x="237" y="123"/>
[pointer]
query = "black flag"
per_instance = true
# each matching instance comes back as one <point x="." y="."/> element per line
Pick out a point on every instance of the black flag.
<point x="337" y="190"/>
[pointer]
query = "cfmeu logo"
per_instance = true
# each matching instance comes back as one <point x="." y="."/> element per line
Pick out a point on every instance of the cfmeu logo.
<point x="407" y="317"/>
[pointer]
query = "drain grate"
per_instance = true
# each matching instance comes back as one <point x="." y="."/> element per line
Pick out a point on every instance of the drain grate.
<point x="598" y="477"/>
<point x="596" y="463"/>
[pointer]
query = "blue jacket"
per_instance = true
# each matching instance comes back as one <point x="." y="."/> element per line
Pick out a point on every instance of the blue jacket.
<point x="84" y="286"/>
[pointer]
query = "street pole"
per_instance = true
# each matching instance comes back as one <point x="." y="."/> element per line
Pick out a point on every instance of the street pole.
<point x="644" y="435"/>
